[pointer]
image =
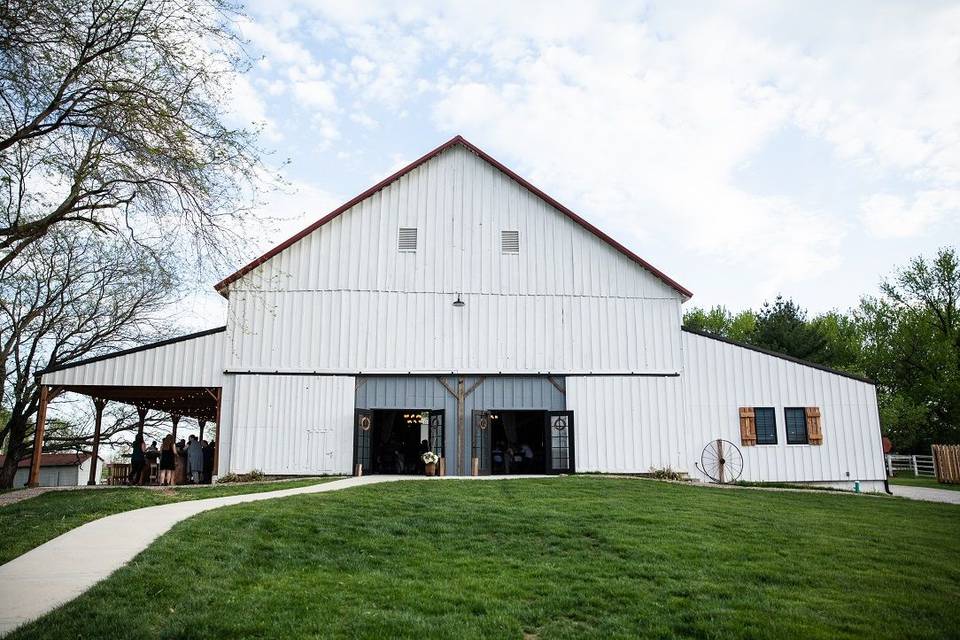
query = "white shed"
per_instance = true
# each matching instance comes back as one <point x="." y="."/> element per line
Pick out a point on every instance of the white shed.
<point x="456" y="307"/>
<point x="59" y="469"/>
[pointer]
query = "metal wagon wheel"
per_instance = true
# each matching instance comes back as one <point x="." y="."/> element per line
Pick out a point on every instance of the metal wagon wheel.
<point x="721" y="461"/>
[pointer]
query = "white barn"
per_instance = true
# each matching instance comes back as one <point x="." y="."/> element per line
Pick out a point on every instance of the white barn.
<point x="457" y="304"/>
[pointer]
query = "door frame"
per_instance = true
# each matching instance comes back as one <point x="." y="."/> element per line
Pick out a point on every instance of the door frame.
<point x="571" y="450"/>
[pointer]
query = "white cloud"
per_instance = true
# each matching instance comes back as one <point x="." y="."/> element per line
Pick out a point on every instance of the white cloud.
<point x="891" y="216"/>
<point x="247" y="107"/>
<point x="314" y="94"/>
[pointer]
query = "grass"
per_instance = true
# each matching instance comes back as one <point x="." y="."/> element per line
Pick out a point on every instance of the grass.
<point x="553" y="558"/>
<point x="31" y="522"/>
<point x="910" y="480"/>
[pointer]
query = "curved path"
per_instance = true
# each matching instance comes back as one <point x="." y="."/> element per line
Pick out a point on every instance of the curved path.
<point x="60" y="570"/>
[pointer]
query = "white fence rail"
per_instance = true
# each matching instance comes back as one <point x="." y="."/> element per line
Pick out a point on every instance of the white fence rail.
<point x="917" y="465"/>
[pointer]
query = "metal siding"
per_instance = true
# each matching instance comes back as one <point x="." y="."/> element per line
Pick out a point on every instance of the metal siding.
<point x="292" y="425"/>
<point x="627" y="424"/>
<point x="719" y="378"/>
<point x="394" y="332"/>
<point x="197" y="362"/>
<point x="343" y="299"/>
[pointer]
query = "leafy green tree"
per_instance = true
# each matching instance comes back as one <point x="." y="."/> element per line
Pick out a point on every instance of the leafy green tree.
<point x="783" y="327"/>
<point x="911" y="347"/>
<point x="720" y="321"/>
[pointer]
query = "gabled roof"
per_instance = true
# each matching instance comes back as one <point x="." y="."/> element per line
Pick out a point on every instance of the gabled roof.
<point x="683" y="291"/>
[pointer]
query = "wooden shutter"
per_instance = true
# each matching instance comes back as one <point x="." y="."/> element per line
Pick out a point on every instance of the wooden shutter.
<point x="814" y="431"/>
<point x="748" y="427"/>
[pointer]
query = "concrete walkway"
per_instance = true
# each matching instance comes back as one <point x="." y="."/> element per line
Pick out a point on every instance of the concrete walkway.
<point x="926" y="493"/>
<point x="63" y="568"/>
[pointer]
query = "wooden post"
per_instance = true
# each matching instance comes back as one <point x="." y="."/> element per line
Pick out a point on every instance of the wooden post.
<point x="461" y="424"/>
<point x="34" y="479"/>
<point x="98" y="406"/>
<point x="175" y="419"/>
<point x="216" y="447"/>
<point x="141" y="419"/>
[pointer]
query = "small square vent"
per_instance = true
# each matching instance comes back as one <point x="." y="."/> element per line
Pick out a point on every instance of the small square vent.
<point x="407" y="239"/>
<point x="510" y="242"/>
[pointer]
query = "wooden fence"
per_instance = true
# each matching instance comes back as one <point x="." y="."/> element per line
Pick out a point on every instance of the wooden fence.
<point x="946" y="459"/>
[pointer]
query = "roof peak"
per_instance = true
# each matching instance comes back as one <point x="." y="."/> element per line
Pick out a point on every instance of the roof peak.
<point x="455" y="140"/>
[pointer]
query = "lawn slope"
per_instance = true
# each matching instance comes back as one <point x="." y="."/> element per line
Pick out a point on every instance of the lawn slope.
<point x="29" y="523"/>
<point x="552" y="558"/>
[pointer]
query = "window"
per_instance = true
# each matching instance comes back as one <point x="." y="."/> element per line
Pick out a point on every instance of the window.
<point x="796" y="421"/>
<point x="766" y="419"/>
<point x="509" y="242"/>
<point x="407" y="239"/>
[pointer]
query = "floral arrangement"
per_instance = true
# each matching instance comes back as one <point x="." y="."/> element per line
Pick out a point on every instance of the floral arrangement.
<point x="430" y="458"/>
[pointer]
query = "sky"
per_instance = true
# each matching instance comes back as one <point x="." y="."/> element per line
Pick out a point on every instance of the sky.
<point x="745" y="149"/>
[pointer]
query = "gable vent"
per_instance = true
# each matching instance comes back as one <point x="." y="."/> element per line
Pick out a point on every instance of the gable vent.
<point x="407" y="239"/>
<point x="509" y="242"/>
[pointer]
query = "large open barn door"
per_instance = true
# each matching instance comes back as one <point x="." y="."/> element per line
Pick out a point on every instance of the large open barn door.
<point x="481" y="443"/>
<point x="559" y="442"/>
<point x="361" y="442"/>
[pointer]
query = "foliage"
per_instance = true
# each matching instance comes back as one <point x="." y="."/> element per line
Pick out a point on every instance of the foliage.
<point x="231" y="478"/>
<point x="912" y="349"/>
<point x="71" y="294"/>
<point x="664" y="473"/>
<point x="575" y="557"/>
<point x="113" y="118"/>
<point x="720" y="321"/>
<point x="28" y="524"/>
<point x="430" y="458"/>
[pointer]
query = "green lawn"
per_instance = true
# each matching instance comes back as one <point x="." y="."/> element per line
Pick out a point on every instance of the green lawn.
<point x="552" y="558"/>
<point x="28" y="524"/>
<point x="910" y="480"/>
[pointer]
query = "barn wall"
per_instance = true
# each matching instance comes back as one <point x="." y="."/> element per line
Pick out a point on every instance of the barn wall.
<point x="720" y="377"/>
<point x="194" y="362"/>
<point x="633" y="424"/>
<point x="568" y="302"/>
<point x="292" y="425"/>
<point x="627" y="424"/>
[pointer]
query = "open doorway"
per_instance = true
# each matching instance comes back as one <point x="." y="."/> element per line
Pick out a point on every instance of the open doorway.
<point x="391" y="441"/>
<point x="522" y="442"/>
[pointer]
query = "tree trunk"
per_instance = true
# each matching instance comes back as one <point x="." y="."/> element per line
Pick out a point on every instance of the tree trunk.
<point x="15" y="450"/>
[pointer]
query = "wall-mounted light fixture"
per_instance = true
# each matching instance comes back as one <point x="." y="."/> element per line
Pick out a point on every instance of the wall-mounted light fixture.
<point x="458" y="302"/>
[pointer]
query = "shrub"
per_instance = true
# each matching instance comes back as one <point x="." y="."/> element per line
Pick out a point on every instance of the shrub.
<point x="254" y="476"/>
<point x="665" y="473"/>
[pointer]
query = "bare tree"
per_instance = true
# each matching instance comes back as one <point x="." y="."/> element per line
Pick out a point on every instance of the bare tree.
<point x="111" y="116"/>
<point x="71" y="295"/>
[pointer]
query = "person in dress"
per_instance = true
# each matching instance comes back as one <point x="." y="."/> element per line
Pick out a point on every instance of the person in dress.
<point x="168" y="460"/>
<point x="137" y="460"/>
<point x="207" y="462"/>
<point x="194" y="460"/>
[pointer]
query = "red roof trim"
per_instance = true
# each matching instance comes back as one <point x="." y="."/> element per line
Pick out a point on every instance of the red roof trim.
<point x="416" y="163"/>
